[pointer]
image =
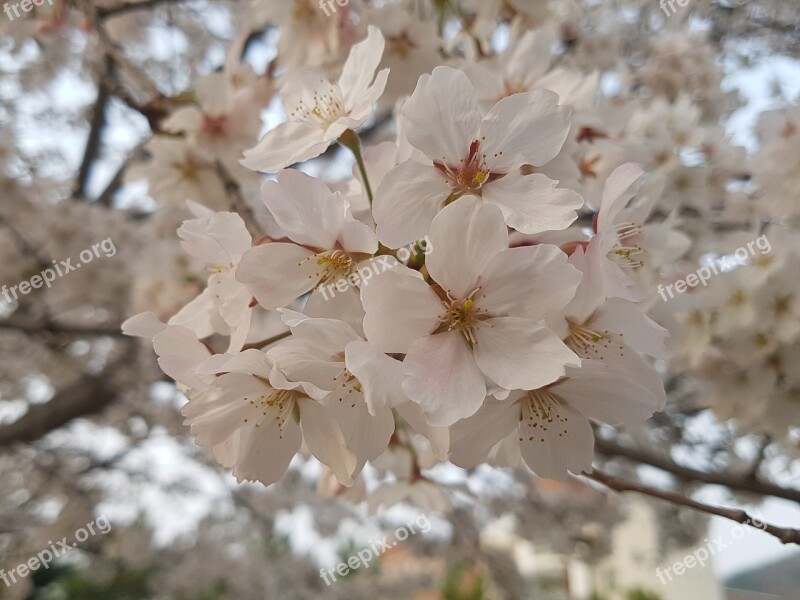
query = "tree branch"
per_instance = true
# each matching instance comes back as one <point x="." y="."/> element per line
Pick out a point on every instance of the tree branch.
<point x="742" y="483"/>
<point x="96" y="125"/>
<point x="88" y="395"/>
<point x="51" y="327"/>
<point x="786" y="536"/>
<point x="127" y="7"/>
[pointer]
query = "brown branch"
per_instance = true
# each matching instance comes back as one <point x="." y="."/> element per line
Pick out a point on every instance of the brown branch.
<point x="25" y="247"/>
<point x="156" y="107"/>
<point x="96" y="125"/>
<point x="785" y="535"/>
<point x="54" y="328"/>
<point x="90" y="394"/>
<point x="128" y="7"/>
<point x="268" y="342"/>
<point x="106" y="197"/>
<point x="238" y="203"/>
<point x="741" y="483"/>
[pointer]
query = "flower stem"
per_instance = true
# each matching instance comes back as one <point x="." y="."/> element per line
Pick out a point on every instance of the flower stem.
<point x="350" y="140"/>
<point x="264" y="343"/>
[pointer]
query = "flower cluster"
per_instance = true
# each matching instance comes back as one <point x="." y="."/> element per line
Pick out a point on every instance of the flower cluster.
<point x="500" y="343"/>
<point x="549" y="214"/>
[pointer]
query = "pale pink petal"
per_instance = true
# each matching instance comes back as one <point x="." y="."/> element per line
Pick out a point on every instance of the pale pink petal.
<point x="530" y="281"/>
<point x="212" y="92"/>
<point x="634" y="367"/>
<point x="555" y="443"/>
<point x="619" y="189"/>
<point x="198" y="315"/>
<point x="325" y="440"/>
<point x="217" y="240"/>
<point x="332" y="304"/>
<point x="527" y="128"/>
<point x="367" y="435"/>
<point x="266" y="451"/>
<point x="592" y="289"/>
<point x="407" y="200"/>
<point x="356" y="237"/>
<point x="179" y="354"/>
<point x="212" y="422"/>
<point x="251" y="362"/>
<point x="287" y="144"/>
<point x="464" y="237"/>
<point x="521" y="354"/>
<point x="305" y="209"/>
<point x="438" y="437"/>
<point x="381" y="377"/>
<point x="300" y="362"/>
<point x="277" y="274"/>
<point x="400" y="308"/>
<point x="183" y="120"/>
<point x="372" y="95"/>
<point x="227" y="453"/>
<point x="639" y="331"/>
<point x="472" y="439"/>
<point x="605" y="395"/>
<point x="443" y="379"/>
<point x="359" y="69"/>
<point x="532" y="203"/>
<point x="144" y="325"/>
<point x="443" y="115"/>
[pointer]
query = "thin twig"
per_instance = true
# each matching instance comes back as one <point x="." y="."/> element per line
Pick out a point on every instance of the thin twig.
<point x="239" y="204"/>
<point x="128" y="7"/>
<point x="742" y="483"/>
<point x="785" y="535"/>
<point x="96" y="125"/>
<point x="89" y="395"/>
<point x="53" y="328"/>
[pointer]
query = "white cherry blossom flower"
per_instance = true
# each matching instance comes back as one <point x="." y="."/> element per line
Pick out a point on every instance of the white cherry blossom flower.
<point x="176" y="173"/>
<point x="316" y="356"/>
<point x="308" y="37"/>
<point x="550" y="425"/>
<point x="613" y="331"/>
<point x="325" y="243"/>
<point x="256" y="420"/>
<point x="320" y="111"/>
<point x="479" y="322"/>
<point x="359" y="385"/>
<point x="472" y="154"/>
<point x="218" y="240"/>
<point x="225" y="122"/>
<point x="621" y="224"/>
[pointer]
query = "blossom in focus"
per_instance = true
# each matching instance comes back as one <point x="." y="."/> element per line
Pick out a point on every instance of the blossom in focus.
<point x="549" y="427"/>
<point x="324" y="243"/>
<point x="477" y="327"/>
<point x="256" y="420"/>
<point x="472" y="154"/>
<point x="320" y="111"/>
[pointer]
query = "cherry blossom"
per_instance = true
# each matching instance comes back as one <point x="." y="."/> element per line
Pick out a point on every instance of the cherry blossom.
<point x="472" y="154"/>
<point x="324" y="243"/>
<point x="479" y="323"/>
<point x="320" y="111"/>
